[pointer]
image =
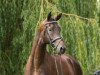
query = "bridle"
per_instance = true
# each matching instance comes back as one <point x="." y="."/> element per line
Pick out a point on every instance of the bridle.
<point x="50" y="39"/>
<point x="54" y="47"/>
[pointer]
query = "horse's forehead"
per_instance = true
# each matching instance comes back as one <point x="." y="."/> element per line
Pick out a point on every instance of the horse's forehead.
<point x="45" y="22"/>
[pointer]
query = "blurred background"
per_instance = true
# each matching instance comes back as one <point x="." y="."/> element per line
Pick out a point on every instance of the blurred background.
<point x="80" y="24"/>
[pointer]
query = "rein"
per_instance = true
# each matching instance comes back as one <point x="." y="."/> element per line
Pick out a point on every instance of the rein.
<point x="57" y="66"/>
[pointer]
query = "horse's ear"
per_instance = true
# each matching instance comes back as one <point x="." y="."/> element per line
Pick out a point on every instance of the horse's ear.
<point x="49" y="16"/>
<point x="58" y="17"/>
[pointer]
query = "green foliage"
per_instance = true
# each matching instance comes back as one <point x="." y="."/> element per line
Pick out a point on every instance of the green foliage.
<point x="19" y="20"/>
<point x="86" y="8"/>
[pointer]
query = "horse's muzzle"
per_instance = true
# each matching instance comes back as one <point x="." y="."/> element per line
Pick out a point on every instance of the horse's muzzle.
<point x="62" y="50"/>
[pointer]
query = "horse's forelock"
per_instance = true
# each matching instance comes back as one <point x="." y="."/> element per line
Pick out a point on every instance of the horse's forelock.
<point x="43" y="23"/>
<point x="41" y="26"/>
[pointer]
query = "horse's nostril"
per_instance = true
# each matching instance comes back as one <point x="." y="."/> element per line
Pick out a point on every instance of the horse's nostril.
<point x="62" y="50"/>
<point x="53" y="45"/>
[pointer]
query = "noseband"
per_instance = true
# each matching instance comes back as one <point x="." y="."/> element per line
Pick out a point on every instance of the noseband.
<point x="50" y="39"/>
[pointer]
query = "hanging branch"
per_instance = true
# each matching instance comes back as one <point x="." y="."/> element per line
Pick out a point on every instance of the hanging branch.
<point x="41" y="12"/>
<point x="77" y="16"/>
<point x="89" y="19"/>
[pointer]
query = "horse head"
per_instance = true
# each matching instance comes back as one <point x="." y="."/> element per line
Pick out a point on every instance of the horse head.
<point x="51" y="33"/>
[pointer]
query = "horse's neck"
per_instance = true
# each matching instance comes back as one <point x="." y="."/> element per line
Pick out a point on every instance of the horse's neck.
<point x="38" y="51"/>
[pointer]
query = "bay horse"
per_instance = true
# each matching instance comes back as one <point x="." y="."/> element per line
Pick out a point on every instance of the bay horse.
<point x="40" y="62"/>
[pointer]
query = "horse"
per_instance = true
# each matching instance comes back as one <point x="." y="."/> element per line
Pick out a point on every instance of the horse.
<point x="40" y="62"/>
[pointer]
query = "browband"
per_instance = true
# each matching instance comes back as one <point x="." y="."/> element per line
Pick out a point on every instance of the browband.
<point x="51" y="22"/>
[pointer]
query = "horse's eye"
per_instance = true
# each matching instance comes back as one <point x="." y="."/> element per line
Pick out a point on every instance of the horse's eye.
<point x="50" y="29"/>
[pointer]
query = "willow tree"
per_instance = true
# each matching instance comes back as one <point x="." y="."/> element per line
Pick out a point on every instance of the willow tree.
<point x="10" y="29"/>
<point x="80" y="29"/>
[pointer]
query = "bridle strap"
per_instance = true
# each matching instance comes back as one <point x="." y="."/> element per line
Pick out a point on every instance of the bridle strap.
<point x="56" y="39"/>
<point x="61" y="66"/>
<point x="57" y="65"/>
<point x="57" y="45"/>
<point x="50" y="22"/>
<point x="50" y="39"/>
